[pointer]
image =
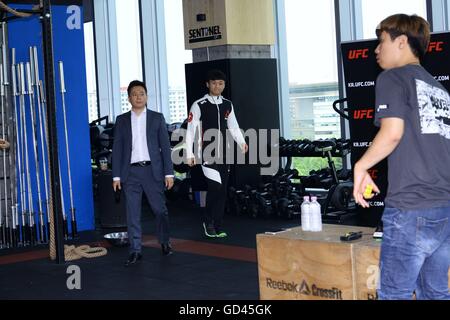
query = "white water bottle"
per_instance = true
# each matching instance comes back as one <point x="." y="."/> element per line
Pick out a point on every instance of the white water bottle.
<point x="316" y="215"/>
<point x="306" y="214"/>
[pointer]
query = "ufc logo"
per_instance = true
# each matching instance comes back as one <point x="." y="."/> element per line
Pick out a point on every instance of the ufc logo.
<point x="363" y="114"/>
<point x="373" y="173"/>
<point x="357" y="54"/>
<point x="436" y="46"/>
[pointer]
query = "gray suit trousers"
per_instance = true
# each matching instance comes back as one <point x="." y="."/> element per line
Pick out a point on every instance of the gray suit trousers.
<point x="140" y="180"/>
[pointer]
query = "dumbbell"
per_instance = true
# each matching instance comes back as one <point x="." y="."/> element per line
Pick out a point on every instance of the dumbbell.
<point x="293" y="209"/>
<point x="282" y="205"/>
<point x="265" y="204"/>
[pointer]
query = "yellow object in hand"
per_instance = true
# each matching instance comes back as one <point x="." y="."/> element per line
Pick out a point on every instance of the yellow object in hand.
<point x="368" y="191"/>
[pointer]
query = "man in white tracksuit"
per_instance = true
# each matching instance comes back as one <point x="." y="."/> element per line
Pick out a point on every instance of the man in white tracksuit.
<point x="213" y="112"/>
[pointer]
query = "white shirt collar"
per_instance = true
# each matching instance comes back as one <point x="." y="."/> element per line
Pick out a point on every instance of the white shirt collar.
<point x="214" y="100"/>
<point x="143" y="112"/>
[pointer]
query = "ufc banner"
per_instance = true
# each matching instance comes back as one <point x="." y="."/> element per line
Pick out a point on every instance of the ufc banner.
<point x="361" y="71"/>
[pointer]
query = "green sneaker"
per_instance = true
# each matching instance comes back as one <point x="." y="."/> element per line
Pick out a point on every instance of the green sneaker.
<point x="209" y="231"/>
<point x="221" y="234"/>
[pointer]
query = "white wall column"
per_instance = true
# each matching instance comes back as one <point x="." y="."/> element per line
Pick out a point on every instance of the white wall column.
<point x="154" y="55"/>
<point x="108" y="74"/>
<point x="280" y="53"/>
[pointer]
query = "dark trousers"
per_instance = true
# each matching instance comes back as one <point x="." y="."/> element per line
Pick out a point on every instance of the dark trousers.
<point x="140" y="180"/>
<point x="216" y="197"/>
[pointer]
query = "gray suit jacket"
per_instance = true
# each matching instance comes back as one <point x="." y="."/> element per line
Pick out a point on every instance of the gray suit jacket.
<point x="157" y="142"/>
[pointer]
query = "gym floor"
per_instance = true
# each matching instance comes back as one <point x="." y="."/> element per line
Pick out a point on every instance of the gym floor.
<point x="199" y="269"/>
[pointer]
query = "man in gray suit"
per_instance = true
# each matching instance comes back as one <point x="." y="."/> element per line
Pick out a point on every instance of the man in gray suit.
<point x="141" y="162"/>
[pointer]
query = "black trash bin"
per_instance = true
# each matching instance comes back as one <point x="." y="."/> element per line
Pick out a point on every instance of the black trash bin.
<point x="111" y="205"/>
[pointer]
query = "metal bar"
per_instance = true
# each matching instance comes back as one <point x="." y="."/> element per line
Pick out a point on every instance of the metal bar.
<point x="65" y="224"/>
<point x="5" y="126"/>
<point x="19" y="184"/>
<point x="35" y="75"/>
<point x="4" y="224"/>
<point x="31" y="223"/>
<point x="30" y="82"/>
<point x="7" y="241"/>
<point x="20" y="128"/>
<point x="69" y="174"/>
<point x="10" y="133"/>
<point x="32" y="216"/>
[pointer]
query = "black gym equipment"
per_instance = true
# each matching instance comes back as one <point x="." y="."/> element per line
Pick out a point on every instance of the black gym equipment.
<point x="276" y="196"/>
<point x="338" y="195"/>
<point x="111" y="204"/>
<point x="178" y="145"/>
<point x="181" y="190"/>
<point x="237" y="202"/>
<point x="339" y="200"/>
<point x="338" y="203"/>
<point x="102" y="138"/>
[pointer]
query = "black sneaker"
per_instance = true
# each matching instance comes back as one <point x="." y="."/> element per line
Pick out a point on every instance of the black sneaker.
<point x="166" y="249"/>
<point x="209" y="231"/>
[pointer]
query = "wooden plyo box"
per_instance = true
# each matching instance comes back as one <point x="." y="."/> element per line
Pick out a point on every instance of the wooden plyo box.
<point x="367" y="271"/>
<point x="297" y="265"/>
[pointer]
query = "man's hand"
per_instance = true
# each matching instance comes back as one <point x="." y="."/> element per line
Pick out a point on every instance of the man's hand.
<point x="191" y="162"/>
<point x="169" y="183"/>
<point x="116" y="185"/>
<point x="244" y="148"/>
<point x="361" y="180"/>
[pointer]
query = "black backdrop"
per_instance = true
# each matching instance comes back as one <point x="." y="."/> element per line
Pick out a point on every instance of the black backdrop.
<point x="361" y="71"/>
<point x="252" y="86"/>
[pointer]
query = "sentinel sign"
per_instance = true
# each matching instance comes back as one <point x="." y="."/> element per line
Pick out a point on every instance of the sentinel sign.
<point x="205" y="34"/>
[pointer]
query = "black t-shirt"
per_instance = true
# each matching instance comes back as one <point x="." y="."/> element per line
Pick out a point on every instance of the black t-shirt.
<point x="419" y="168"/>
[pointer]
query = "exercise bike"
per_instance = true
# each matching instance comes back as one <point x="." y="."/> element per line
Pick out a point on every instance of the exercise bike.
<point x="339" y="201"/>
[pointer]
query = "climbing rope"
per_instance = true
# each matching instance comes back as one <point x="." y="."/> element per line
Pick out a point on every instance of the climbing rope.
<point x="14" y="12"/>
<point x="74" y="253"/>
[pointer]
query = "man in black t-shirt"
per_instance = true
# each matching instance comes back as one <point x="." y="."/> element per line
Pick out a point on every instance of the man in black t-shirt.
<point x="412" y="111"/>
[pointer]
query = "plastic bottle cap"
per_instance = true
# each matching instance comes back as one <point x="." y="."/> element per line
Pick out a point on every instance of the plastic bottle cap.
<point x="314" y="198"/>
<point x="306" y="198"/>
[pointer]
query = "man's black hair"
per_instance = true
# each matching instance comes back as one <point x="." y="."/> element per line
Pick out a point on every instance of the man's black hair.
<point x="215" y="75"/>
<point x="136" y="83"/>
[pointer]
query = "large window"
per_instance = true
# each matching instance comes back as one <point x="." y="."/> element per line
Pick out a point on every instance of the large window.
<point x="313" y="80"/>
<point x="375" y="11"/>
<point x="444" y="16"/>
<point x="177" y="57"/>
<point x="91" y="75"/>
<point x="129" y="42"/>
